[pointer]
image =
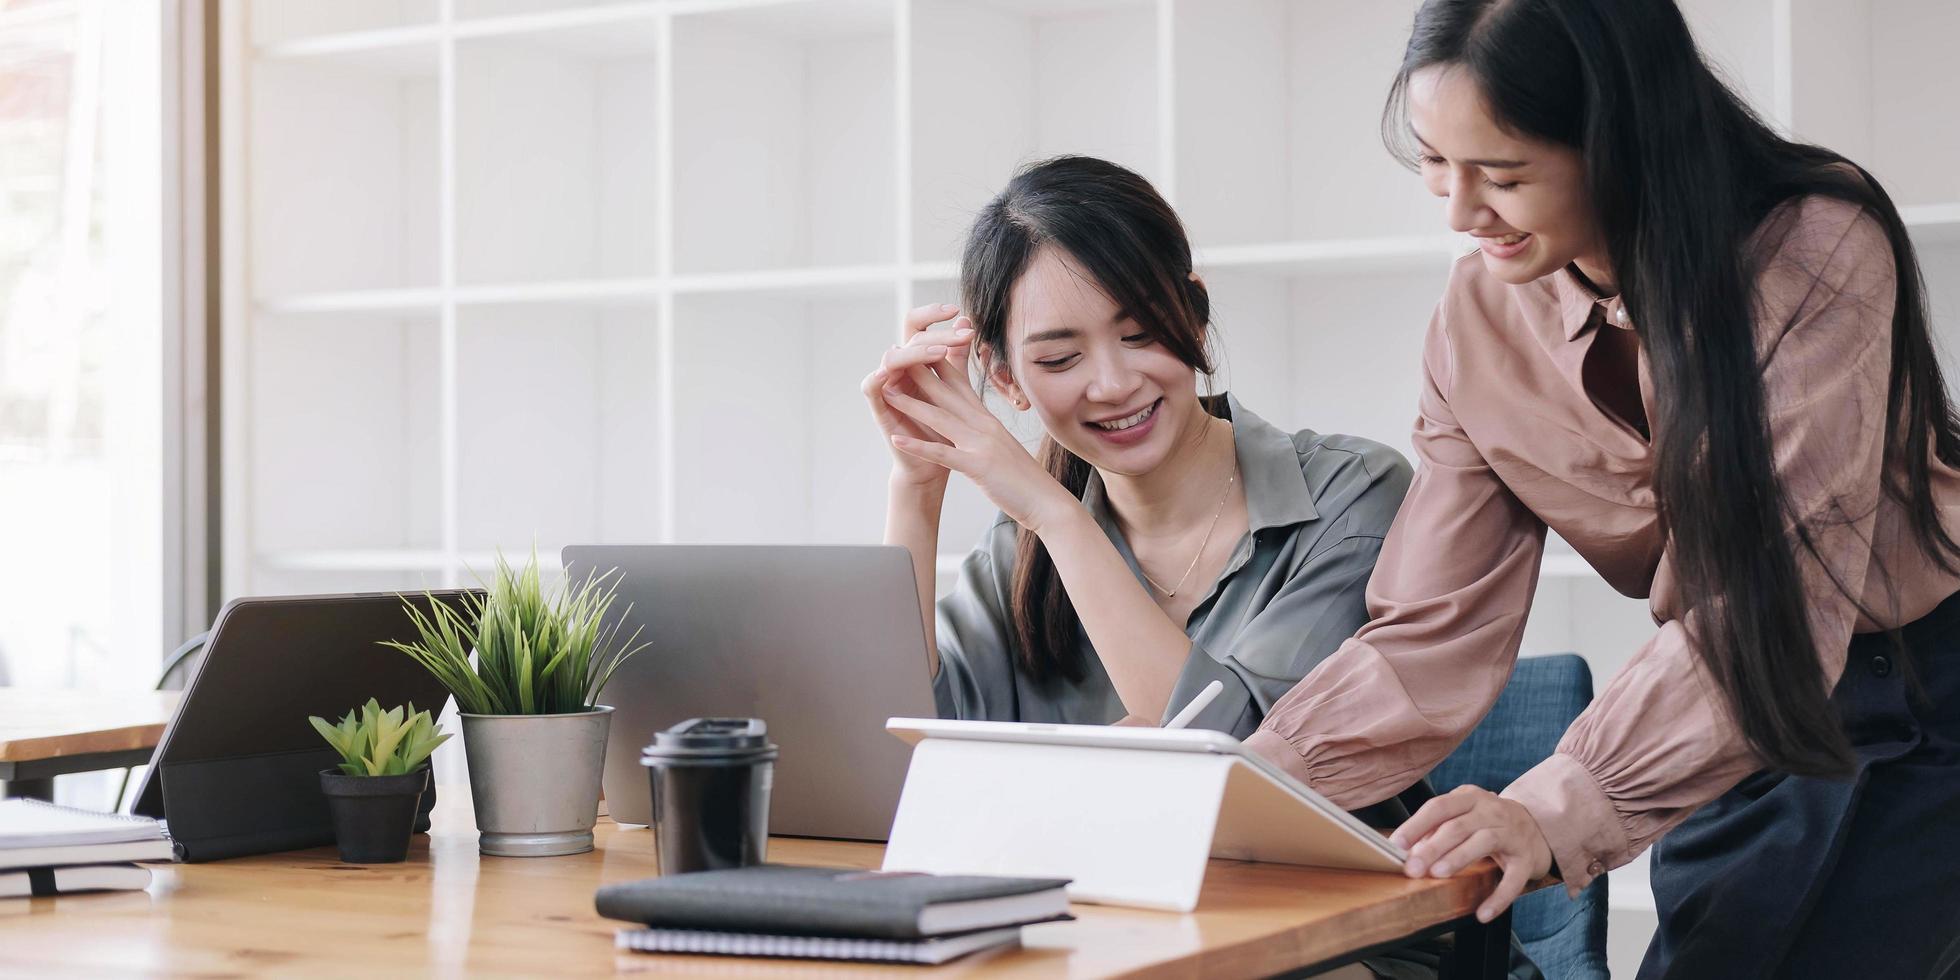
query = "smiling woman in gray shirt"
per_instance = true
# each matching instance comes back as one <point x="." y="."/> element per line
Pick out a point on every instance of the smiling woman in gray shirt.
<point x="1317" y="507"/>
<point x="1163" y="540"/>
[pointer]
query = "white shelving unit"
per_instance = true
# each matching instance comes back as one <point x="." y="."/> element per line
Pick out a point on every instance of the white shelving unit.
<point x="555" y="271"/>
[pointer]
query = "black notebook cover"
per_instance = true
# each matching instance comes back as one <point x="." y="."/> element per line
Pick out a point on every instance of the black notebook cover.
<point x="789" y="900"/>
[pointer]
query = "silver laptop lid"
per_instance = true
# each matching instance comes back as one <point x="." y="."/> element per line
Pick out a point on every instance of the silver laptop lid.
<point x="822" y="642"/>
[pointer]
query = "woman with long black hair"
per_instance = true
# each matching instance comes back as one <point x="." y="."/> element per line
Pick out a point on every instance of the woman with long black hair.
<point x="1162" y="541"/>
<point x="1701" y="352"/>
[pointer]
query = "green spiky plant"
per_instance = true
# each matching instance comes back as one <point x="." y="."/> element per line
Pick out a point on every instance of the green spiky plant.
<point x="538" y="651"/>
<point x="381" y="743"/>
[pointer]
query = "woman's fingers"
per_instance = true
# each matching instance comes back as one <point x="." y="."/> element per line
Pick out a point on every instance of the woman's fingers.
<point x="925" y="413"/>
<point x="1473" y="843"/>
<point x="954" y="334"/>
<point x="898" y="360"/>
<point x="1428" y="855"/>
<point x="1517" y="875"/>
<point x="932" y="452"/>
<point x="921" y="317"/>
<point x="888" y="420"/>
<point x="1431" y="815"/>
<point x="1467" y="825"/>
<point x="930" y="380"/>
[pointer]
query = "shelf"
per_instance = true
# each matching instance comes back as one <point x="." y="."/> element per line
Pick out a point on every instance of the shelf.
<point x="630" y="293"/>
<point x="1263" y="153"/>
<point x="1869" y="79"/>
<point x="375" y="560"/>
<point x="635" y="292"/>
<point x="344" y="181"/>
<point x="343" y="442"/>
<point x="559" y="426"/>
<point x="782" y="447"/>
<point x="784" y="137"/>
<point x="491" y="18"/>
<point x="555" y="135"/>
<point x="1352" y="256"/>
<point x="389" y="50"/>
<point x="831" y="280"/>
<point x="283" y="27"/>
<point x="1000" y="84"/>
<point x="1935" y="224"/>
<point x="396" y="560"/>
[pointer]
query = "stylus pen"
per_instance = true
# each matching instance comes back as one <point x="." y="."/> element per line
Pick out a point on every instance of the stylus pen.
<point x="1197" y="704"/>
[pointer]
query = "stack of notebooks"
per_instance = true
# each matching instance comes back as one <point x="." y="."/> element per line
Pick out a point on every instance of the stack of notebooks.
<point x="830" y="913"/>
<point x="47" y="849"/>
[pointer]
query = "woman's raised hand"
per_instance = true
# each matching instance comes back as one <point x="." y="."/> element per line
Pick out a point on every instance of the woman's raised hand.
<point x="950" y="428"/>
<point x="932" y="339"/>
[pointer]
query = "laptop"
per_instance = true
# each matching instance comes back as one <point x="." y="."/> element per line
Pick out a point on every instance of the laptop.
<point x="821" y="642"/>
<point x="237" y="770"/>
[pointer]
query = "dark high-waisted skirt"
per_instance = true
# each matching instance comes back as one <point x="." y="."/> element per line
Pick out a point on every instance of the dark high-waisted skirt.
<point x="1789" y="876"/>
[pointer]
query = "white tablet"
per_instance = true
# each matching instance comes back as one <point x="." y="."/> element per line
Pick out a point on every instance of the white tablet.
<point x="1267" y="815"/>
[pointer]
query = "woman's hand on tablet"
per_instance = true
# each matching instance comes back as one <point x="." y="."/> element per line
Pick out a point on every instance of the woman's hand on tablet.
<point x="933" y="337"/>
<point x="1469" y="823"/>
<point x="936" y="399"/>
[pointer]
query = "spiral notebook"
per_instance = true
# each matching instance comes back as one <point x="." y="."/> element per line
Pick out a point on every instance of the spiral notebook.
<point x="926" y="951"/>
<point x="34" y="834"/>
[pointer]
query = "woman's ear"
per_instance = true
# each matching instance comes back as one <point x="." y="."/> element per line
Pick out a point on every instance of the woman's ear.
<point x="1003" y="381"/>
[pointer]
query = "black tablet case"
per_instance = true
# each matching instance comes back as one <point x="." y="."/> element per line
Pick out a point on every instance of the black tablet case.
<point x="237" y="771"/>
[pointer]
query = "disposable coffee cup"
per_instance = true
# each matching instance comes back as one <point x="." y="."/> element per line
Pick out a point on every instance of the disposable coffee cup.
<point x="710" y="780"/>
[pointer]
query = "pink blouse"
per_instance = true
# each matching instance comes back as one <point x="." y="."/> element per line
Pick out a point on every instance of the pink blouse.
<point x="1509" y="442"/>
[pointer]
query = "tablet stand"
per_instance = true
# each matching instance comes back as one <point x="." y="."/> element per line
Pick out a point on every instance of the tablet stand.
<point x="1128" y="826"/>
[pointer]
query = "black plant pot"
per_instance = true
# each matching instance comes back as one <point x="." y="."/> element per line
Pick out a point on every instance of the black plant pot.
<point x="373" y="815"/>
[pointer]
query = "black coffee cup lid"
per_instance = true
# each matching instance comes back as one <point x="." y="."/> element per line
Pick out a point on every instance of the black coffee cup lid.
<point x="711" y="737"/>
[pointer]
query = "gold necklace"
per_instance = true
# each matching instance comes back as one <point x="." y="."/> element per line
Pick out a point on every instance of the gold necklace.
<point x="1171" y="592"/>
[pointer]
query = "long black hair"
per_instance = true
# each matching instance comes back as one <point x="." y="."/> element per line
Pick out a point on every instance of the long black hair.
<point x="1682" y="174"/>
<point x="1126" y="238"/>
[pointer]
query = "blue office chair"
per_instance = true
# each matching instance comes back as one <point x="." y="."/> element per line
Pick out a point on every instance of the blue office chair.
<point x="1565" y="937"/>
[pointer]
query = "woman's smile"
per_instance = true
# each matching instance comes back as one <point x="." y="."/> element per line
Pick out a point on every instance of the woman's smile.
<point x="1127" y="430"/>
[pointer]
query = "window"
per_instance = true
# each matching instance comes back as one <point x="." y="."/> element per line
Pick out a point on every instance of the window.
<point x="84" y="331"/>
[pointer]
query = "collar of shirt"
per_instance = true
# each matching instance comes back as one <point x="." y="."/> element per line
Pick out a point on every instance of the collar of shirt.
<point x="1578" y="303"/>
<point x="1276" y="491"/>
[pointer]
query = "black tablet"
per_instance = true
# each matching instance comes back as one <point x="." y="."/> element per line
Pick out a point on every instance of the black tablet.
<point x="237" y="770"/>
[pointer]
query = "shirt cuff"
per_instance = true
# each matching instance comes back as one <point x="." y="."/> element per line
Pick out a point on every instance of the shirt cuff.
<point x="1577" y="818"/>
<point x="1274" y="748"/>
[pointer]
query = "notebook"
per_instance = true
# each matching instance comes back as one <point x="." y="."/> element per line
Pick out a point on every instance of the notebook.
<point x="34" y="823"/>
<point x="926" y="951"/>
<point x="40" y="882"/>
<point x="34" y="834"/>
<point x="838" y="902"/>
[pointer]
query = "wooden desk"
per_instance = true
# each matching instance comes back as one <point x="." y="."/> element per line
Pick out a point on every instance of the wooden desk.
<point x="449" y="911"/>
<point x="48" y="733"/>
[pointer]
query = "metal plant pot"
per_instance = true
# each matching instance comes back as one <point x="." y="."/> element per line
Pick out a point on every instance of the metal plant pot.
<point x="534" y="780"/>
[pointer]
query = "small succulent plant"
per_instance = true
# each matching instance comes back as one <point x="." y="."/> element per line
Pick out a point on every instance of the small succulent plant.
<point x="381" y="743"/>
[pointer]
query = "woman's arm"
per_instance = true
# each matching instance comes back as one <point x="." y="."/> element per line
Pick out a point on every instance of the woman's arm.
<point x="1448" y="600"/>
<point x="929" y="335"/>
<point x="1141" y="649"/>
<point x="912" y="522"/>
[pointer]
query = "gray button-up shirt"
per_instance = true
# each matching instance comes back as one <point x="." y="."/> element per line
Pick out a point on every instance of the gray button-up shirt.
<point x="1318" y="507"/>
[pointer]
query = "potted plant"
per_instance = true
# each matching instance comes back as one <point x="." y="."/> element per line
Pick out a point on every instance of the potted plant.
<point x="535" y="739"/>
<point x="383" y="772"/>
